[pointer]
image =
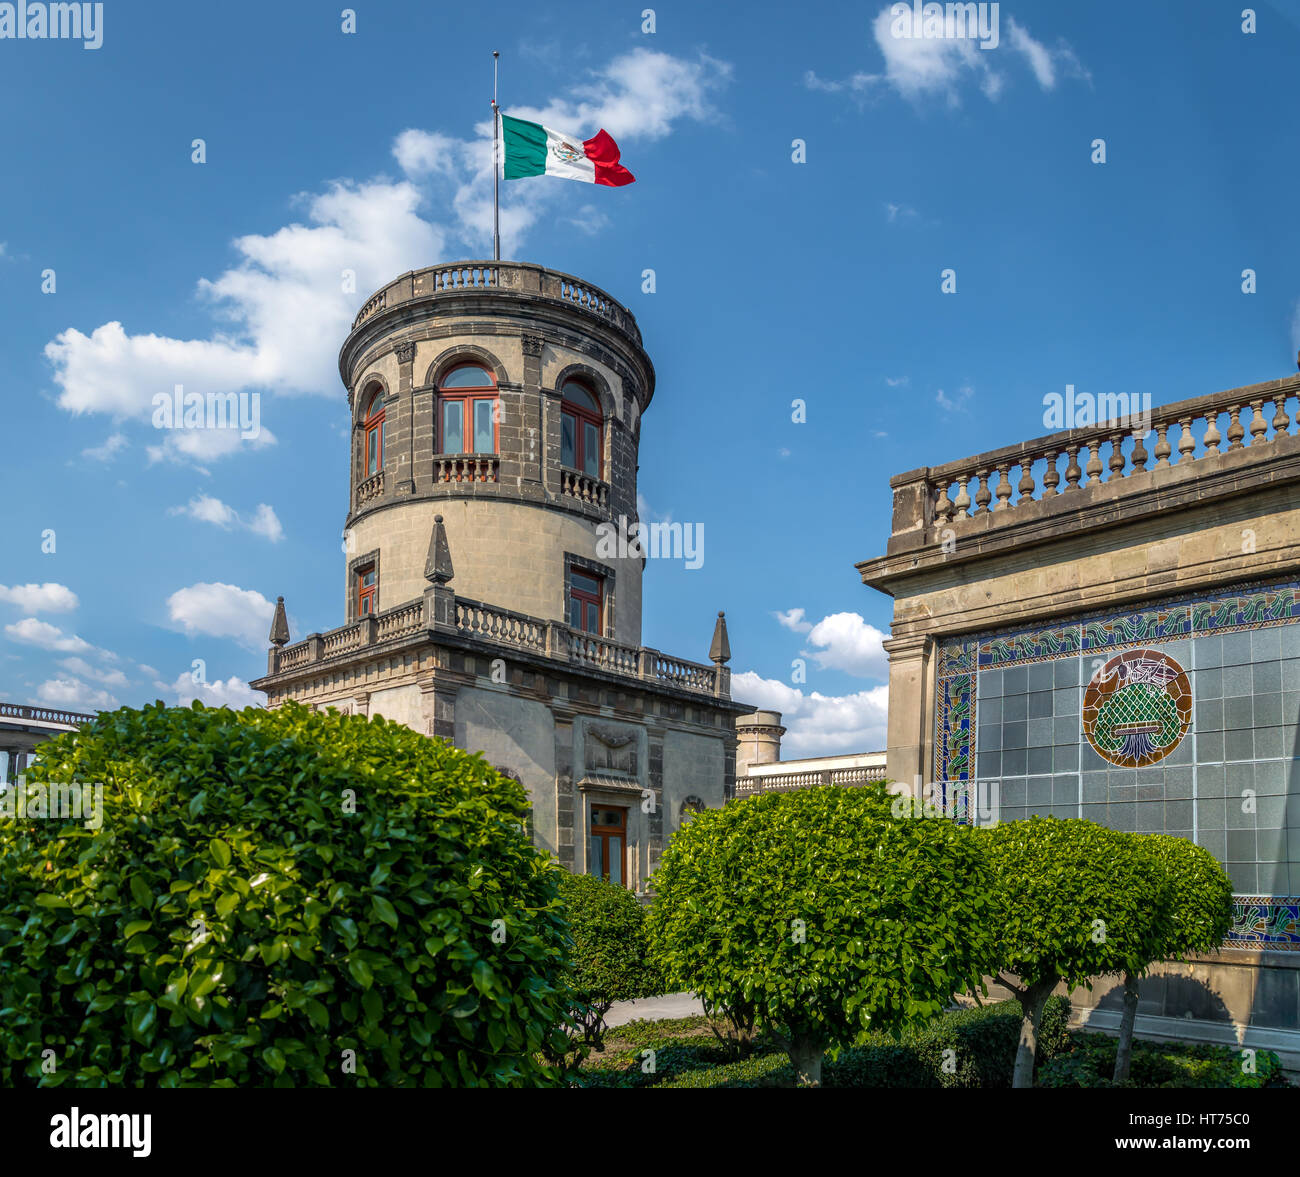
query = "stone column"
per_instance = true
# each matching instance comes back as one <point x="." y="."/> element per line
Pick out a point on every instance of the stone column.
<point x="533" y="416"/>
<point x="438" y="706"/>
<point x="402" y="438"/>
<point x="911" y="709"/>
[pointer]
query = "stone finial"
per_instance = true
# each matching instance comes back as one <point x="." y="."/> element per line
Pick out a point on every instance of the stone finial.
<point x="720" y="650"/>
<point x="279" y="624"/>
<point x="437" y="565"/>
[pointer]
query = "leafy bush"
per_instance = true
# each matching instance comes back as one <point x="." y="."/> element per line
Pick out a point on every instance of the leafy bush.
<point x="1073" y="900"/>
<point x="1159" y="1064"/>
<point x="277" y="898"/>
<point x="610" y="962"/>
<point x="761" y="1070"/>
<point x="828" y="913"/>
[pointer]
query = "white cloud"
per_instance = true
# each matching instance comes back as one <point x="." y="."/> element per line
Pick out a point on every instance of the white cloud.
<point x="233" y="692"/>
<point x="817" y="724"/>
<point x="104" y="678"/>
<point x="956" y="403"/>
<point x="48" y="637"/>
<point x="222" y="611"/>
<point x="917" y="67"/>
<point x="74" y="694"/>
<point x="849" y="644"/>
<point x="900" y="213"/>
<point x="106" y="452"/>
<point x="209" y="509"/>
<point x="281" y="310"/>
<point x="40" y="598"/>
<point x="793" y="619"/>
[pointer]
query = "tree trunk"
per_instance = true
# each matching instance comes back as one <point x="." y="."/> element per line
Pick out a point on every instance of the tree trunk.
<point x="1124" y="1049"/>
<point x="1032" y="1000"/>
<point x="806" y="1057"/>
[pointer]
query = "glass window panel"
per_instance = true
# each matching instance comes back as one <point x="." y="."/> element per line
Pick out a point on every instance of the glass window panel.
<point x="372" y="451"/>
<point x="596" y="856"/>
<point x="616" y="859"/>
<point x="484" y="440"/>
<point x="584" y="583"/>
<point x="575" y="614"/>
<point x="368" y="578"/>
<point x="590" y="449"/>
<point x="470" y="376"/>
<point x="593" y="620"/>
<point x="568" y="442"/>
<point x="575" y="394"/>
<point x="453" y="427"/>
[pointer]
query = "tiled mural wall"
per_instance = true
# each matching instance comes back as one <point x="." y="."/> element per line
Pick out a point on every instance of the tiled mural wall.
<point x="1181" y="718"/>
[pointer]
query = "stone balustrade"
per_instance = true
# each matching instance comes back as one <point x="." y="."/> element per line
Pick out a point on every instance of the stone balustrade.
<point x="493" y="626"/>
<point x="584" y="488"/>
<point x="370" y="489"/>
<point x="466" y="467"/>
<point x="457" y="279"/>
<point x="1257" y="419"/>
<point x="21" y="711"/>
<point x="782" y="782"/>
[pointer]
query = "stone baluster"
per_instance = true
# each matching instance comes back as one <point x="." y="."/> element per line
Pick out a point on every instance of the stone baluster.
<point x="943" y="507"/>
<point x="1072" y="471"/>
<point x="962" y="501"/>
<point x="982" y="496"/>
<point x="1051" y="476"/>
<point x="1163" y="448"/>
<point x="1139" y="452"/>
<point x="1094" y="462"/>
<point x="1212" y="435"/>
<point x="1027" y="483"/>
<point x="1003" y="488"/>
<point x="1116" y="462"/>
<point x="1258" y="427"/>
<point x="1186" y="442"/>
<point x="1235" y="430"/>
<point x="1280" y="420"/>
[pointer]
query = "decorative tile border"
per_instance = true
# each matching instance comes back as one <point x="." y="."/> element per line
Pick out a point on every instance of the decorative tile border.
<point x="955" y="729"/>
<point x="1265" y="921"/>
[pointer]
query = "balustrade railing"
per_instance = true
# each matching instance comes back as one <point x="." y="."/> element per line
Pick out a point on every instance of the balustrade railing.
<point x="588" y="650"/>
<point x="781" y="782"/>
<point x="690" y="676"/>
<point x="43" y="714"/>
<point x="584" y="488"/>
<point x="396" y="623"/>
<point x="1177" y="435"/>
<point x="466" y="467"/>
<point x="372" y="488"/>
<point x="500" y="625"/>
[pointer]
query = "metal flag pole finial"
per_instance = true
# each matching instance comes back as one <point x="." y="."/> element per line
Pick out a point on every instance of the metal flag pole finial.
<point x="496" y="163"/>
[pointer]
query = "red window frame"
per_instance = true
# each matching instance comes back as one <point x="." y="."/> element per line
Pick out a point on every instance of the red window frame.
<point x="586" y="601"/>
<point x="581" y="415"/>
<point x="367" y="594"/>
<point x="468" y="397"/>
<point x="603" y="832"/>
<point x="374" y="427"/>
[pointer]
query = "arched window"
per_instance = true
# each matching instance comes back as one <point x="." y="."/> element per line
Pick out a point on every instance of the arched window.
<point x="374" y="427"/>
<point x="467" y="411"/>
<point x="581" y="426"/>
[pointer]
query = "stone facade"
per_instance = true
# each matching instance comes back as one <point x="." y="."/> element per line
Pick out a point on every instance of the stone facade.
<point x="592" y="723"/>
<point x="23" y="729"/>
<point x="1127" y="650"/>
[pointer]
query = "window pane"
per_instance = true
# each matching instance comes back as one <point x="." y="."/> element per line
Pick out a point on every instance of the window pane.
<point x="368" y="578"/>
<point x="584" y="583"/>
<point x="575" y="613"/>
<point x="593" y="619"/>
<point x="590" y="449"/>
<point x="616" y="860"/>
<point x="596" y="856"/>
<point x="568" y="444"/>
<point x="372" y="451"/>
<point x="470" y="376"/>
<point x="484" y="441"/>
<point x="575" y="394"/>
<point x="453" y="427"/>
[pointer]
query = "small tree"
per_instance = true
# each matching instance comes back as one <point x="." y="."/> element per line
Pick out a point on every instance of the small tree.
<point x="610" y="953"/>
<point x="1200" y="916"/>
<point x="825" y="912"/>
<point x="1072" y="900"/>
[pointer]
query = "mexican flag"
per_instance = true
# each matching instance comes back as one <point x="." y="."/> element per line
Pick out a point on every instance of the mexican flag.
<point x="535" y="150"/>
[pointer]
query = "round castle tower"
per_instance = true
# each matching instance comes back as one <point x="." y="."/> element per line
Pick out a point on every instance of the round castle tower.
<point x="507" y="399"/>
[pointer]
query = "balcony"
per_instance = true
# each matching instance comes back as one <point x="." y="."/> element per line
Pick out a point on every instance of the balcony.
<point x="583" y="487"/>
<point x="466" y="467"/>
<point x="371" y="489"/>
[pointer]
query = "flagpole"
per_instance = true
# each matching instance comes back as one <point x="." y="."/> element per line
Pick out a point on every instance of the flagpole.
<point x="496" y="165"/>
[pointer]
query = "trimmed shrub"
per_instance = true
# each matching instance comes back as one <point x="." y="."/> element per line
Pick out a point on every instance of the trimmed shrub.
<point x="1160" y="1064"/>
<point x="827" y="912"/>
<point x="277" y="898"/>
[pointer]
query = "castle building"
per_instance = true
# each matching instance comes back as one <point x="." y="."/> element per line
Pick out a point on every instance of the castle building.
<point x="496" y="418"/>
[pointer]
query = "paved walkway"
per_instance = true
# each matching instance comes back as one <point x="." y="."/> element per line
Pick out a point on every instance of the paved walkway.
<point x="655" y="1009"/>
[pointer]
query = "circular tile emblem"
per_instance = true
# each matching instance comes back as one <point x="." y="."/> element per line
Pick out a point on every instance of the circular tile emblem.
<point x="1137" y="708"/>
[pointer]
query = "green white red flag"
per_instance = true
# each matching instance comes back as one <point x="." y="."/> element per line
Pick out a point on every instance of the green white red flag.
<point x="534" y="150"/>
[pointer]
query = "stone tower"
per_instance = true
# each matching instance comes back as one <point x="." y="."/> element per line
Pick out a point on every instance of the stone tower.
<point x="495" y="414"/>
<point x="508" y="399"/>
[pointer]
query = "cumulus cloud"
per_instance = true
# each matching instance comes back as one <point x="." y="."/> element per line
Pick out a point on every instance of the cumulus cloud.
<point x="75" y="695"/>
<point x="843" y="641"/>
<point x="104" y="677"/>
<point x="32" y="632"/>
<point x="209" y="509"/>
<point x="817" y="724"/>
<point x="281" y="309"/>
<point x="918" y="68"/>
<point x="113" y="444"/>
<point x="794" y="619"/>
<point x="233" y="693"/>
<point x="219" y="610"/>
<point x="40" y="598"/>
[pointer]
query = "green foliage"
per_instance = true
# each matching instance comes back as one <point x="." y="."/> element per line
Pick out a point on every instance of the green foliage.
<point x="1074" y="900"/>
<point x="823" y="910"/>
<point x="1200" y="895"/>
<point x="761" y="1070"/>
<point x="1091" y="1063"/>
<point x="234" y="923"/>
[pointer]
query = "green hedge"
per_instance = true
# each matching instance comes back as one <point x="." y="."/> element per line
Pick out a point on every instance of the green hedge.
<point x="1091" y="1063"/>
<point x="276" y="898"/>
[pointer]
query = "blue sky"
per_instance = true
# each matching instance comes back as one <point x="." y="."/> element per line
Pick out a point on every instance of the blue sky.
<point x="775" y="280"/>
